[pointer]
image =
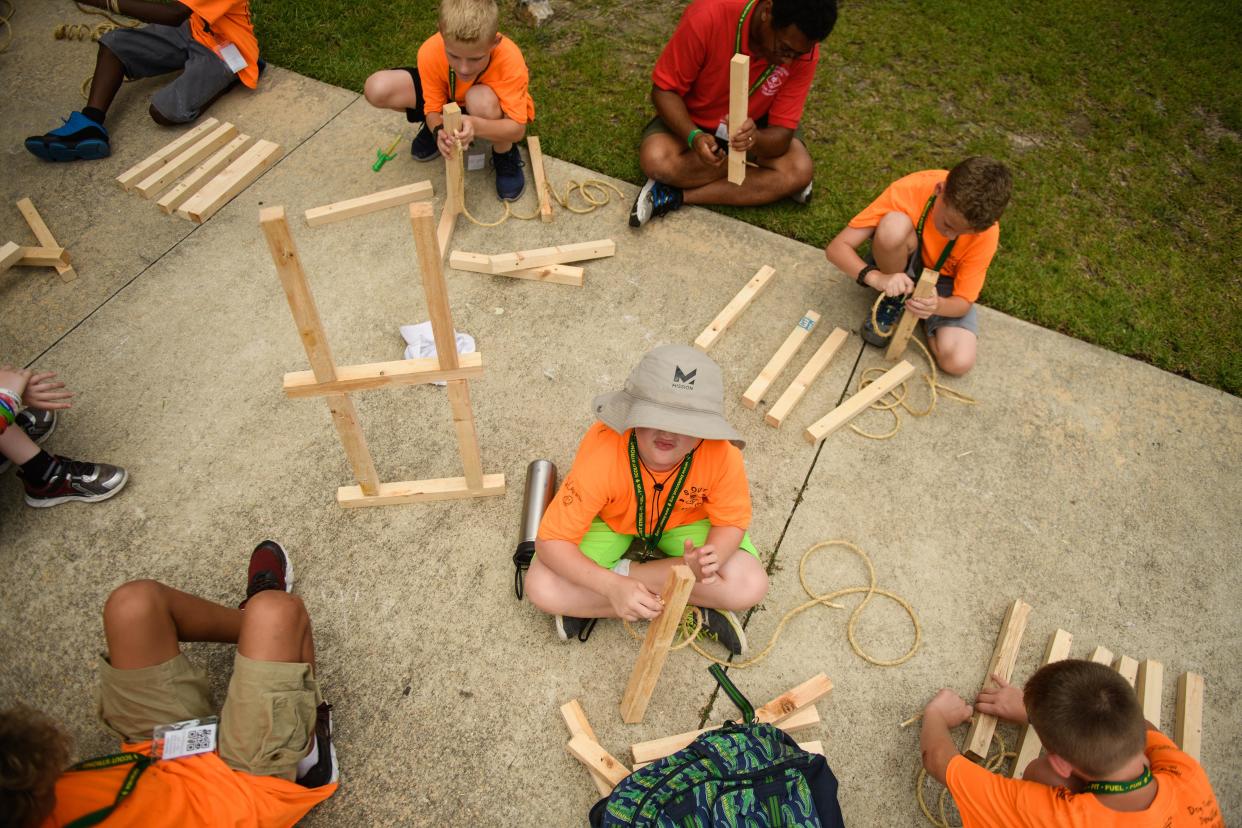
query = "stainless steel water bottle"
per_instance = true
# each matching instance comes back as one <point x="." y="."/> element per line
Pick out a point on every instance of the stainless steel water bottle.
<point x="540" y="489"/>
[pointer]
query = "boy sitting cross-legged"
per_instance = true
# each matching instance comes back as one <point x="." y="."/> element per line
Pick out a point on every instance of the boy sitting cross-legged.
<point x="1103" y="765"/>
<point x="663" y="466"/>
<point x="469" y="62"/>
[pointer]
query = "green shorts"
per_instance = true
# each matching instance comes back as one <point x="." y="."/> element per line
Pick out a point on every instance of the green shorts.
<point x="607" y="547"/>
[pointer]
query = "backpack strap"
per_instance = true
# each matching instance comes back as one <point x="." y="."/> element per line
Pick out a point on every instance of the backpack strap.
<point x="744" y="705"/>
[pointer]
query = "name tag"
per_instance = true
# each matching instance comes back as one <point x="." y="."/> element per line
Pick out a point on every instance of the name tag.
<point x="231" y="57"/>
<point x="188" y="738"/>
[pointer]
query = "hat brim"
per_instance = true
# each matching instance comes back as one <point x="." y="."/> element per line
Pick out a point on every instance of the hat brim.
<point x="619" y="410"/>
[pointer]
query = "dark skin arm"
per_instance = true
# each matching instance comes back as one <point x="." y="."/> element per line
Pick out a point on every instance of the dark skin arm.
<point x="770" y="142"/>
<point x="165" y="14"/>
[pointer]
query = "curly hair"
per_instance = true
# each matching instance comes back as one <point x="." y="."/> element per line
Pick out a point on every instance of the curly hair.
<point x="814" y="18"/>
<point x="979" y="188"/>
<point x="34" y="750"/>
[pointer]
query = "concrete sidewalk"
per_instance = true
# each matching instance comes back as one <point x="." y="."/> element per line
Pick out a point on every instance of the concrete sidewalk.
<point x="1100" y="490"/>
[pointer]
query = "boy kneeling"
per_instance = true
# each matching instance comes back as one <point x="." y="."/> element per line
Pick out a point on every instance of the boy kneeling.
<point x="663" y="466"/>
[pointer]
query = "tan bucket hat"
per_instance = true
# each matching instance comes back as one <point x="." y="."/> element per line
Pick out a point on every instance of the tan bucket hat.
<point x="675" y="388"/>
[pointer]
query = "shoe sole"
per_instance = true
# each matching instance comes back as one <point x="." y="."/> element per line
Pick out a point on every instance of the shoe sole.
<point x="635" y="221"/>
<point x="736" y="626"/>
<point x="88" y="150"/>
<point x="46" y="502"/>
<point x="560" y="629"/>
<point x="513" y="198"/>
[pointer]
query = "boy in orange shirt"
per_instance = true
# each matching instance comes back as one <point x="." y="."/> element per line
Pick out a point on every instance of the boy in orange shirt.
<point x="943" y="220"/>
<point x="273" y="759"/>
<point x="1103" y="767"/>
<point x="663" y="466"/>
<point x="468" y="61"/>
<point x="213" y="41"/>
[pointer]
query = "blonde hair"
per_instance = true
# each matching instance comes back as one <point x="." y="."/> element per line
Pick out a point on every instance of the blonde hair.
<point x="469" y="21"/>
<point x="34" y="750"/>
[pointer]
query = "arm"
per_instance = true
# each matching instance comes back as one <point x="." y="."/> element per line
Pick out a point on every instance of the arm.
<point x="629" y="597"/>
<point x="705" y="561"/>
<point x="499" y="131"/>
<point x="945" y="711"/>
<point x="165" y="14"/>
<point x="672" y="110"/>
<point x="842" y="252"/>
<point x="952" y="306"/>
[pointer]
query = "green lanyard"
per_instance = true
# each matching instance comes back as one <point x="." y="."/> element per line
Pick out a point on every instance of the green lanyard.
<point x="141" y="763"/>
<point x="452" y="85"/>
<point x="640" y="517"/>
<point x="1142" y="781"/>
<point x="737" y="48"/>
<point x="948" y="248"/>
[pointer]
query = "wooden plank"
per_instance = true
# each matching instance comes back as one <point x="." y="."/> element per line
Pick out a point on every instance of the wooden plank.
<point x="1102" y="655"/>
<point x="236" y="177"/>
<point x="444" y="231"/>
<point x="1149" y="687"/>
<point x="434" y="287"/>
<point x="1188" y="724"/>
<point x="420" y="491"/>
<point x="653" y="749"/>
<point x="10" y="254"/>
<point x="185" y="160"/>
<point x="813" y="747"/>
<point x="558" y="274"/>
<point x="1029" y="745"/>
<point x="45" y="237"/>
<point x="203" y="173"/>
<point x="1004" y="656"/>
<point x="739" y="102"/>
<point x="780" y="359"/>
<point x="562" y="254"/>
<point x="590" y="754"/>
<point x="655" y="646"/>
<point x="900" y="339"/>
<point x="43" y="257"/>
<point x="859" y="403"/>
<point x="1127" y="667"/>
<point x="541" y="180"/>
<point x="454" y="171"/>
<point x="467" y="436"/>
<point x="814" y="367"/>
<point x="146" y="166"/>
<point x="784" y="706"/>
<point x="350" y="378"/>
<point x="470" y="262"/>
<point x="736" y="305"/>
<point x="362" y="205"/>
<point x="576" y="720"/>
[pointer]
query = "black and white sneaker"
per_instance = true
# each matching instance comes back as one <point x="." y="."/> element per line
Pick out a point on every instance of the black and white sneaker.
<point x="804" y="196"/>
<point x="38" y="425"/>
<point x="74" y="480"/>
<point x="723" y="627"/>
<point x="654" y="199"/>
<point x="568" y="627"/>
<point x="319" y="768"/>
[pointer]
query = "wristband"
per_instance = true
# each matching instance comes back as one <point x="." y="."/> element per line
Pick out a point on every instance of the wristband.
<point x="862" y="274"/>
<point x="690" y="137"/>
<point x="435" y="129"/>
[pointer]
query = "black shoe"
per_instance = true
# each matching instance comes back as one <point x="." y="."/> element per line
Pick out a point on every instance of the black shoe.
<point x="423" y="147"/>
<point x="723" y="627"/>
<point x="887" y="315"/>
<point x="79" y="139"/>
<point x="324" y="771"/>
<point x="654" y="199"/>
<point x="38" y="425"/>
<point x="568" y="627"/>
<point x="510" y="182"/>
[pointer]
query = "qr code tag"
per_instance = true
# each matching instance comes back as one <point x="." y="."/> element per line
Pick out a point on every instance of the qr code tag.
<point x="188" y="738"/>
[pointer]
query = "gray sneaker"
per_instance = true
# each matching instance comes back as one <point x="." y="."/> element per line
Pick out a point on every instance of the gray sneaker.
<point x="38" y="425"/>
<point x="74" y="480"/>
<point x="568" y="627"/>
<point x="723" y="627"/>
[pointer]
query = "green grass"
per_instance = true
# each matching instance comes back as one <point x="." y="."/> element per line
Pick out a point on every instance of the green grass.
<point x="1122" y="123"/>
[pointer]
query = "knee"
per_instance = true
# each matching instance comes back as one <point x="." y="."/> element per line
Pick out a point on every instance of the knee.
<point x="656" y="158"/>
<point x="134" y="603"/>
<point x="482" y="101"/>
<point x="540" y="588"/>
<point x="379" y="90"/>
<point x="753" y="589"/>
<point x="894" y="230"/>
<point x="801" y="171"/>
<point x="955" y="361"/>
<point x="274" y="609"/>
<point x="160" y="118"/>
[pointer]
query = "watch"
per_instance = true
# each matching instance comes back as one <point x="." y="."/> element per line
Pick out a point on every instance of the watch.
<point x="862" y="274"/>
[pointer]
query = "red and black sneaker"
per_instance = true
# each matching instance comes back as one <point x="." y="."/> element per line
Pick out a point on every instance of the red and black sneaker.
<point x="270" y="568"/>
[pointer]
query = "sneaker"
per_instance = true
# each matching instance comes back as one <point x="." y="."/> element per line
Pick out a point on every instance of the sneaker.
<point x="80" y="138"/>
<point x="423" y="147"/>
<point x="510" y="182"/>
<point x="887" y="315"/>
<point x="804" y="197"/>
<point x="568" y="627"/>
<point x="723" y="627"/>
<point x="320" y="764"/>
<point x="74" y="480"/>
<point x="270" y="568"/>
<point x="654" y="199"/>
<point x="38" y="425"/>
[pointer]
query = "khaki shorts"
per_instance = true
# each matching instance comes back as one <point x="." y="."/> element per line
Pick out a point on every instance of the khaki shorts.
<point x="267" y="724"/>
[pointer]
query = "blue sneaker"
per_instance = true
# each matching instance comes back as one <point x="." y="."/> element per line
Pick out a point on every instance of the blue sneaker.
<point x="887" y="314"/>
<point x="654" y="199"/>
<point x="510" y="182"/>
<point x="80" y="138"/>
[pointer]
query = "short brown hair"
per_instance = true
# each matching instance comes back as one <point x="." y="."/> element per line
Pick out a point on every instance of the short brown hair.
<point x="1087" y="714"/>
<point x="469" y="21"/>
<point x="979" y="188"/>
<point x="34" y="750"/>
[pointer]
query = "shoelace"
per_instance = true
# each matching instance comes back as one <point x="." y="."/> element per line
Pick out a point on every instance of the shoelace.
<point x="70" y="468"/>
<point x="661" y="196"/>
<point x="263" y="580"/>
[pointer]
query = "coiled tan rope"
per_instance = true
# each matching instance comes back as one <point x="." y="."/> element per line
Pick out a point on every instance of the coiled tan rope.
<point x="5" y="17"/>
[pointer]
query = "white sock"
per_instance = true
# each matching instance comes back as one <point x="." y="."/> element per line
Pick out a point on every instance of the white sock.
<point x="310" y="760"/>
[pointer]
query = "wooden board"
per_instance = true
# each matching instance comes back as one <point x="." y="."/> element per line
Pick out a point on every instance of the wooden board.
<point x="146" y="166"/>
<point x="541" y="180"/>
<point x="655" y="646"/>
<point x="444" y="230"/>
<point x="589" y="753"/>
<point x="653" y="749"/>
<point x="1188" y="721"/>
<point x="454" y="170"/>
<point x="1029" y="745"/>
<point x="739" y="102"/>
<point x="736" y="305"/>
<point x="1127" y="667"/>
<point x="780" y="359"/>
<point x="1149" y="687"/>
<point x="558" y="274"/>
<point x="562" y="254"/>
<point x="362" y="205"/>
<point x="470" y="262"/>
<point x="10" y="255"/>
<point x="1004" y="656"/>
<point x="1102" y="655"/>
<point x="201" y="174"/>
<point x="350" y="378"/>
<point x="784" y="706"/>
<point x="900" y="339"/>
<point x="420" y="491"/>
<point x="576" y="720"/>
<point x="45" y="237"/>
<point x="185" y="160"/>
<point x="43" y="257"/>
<point x="816" y="747"/>
<point x="813" y="368"/>
<point x="859" y="403"/>
<point x="236" y="177"/>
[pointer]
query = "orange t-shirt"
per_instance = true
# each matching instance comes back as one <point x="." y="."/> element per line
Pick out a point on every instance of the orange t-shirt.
<point x="968" y="263"/>
<point x="1183" y="800"/>
<point x="227" y="21"/>
<point x="505" y="73"/>
<point x="184" y="793"/>
<point x="600" y="483"/>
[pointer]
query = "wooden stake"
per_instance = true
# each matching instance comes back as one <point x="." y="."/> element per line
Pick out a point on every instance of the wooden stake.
<point x="780" y="359"/>
<point x="236" y="177"/>
<point x="1102" y="655"/>
<point x="185" y="160"/>
<point x="1188" y="724"/>
<point x="362" y="205"/>
<point x="1149" y="687"/>
<point x="565" y="253"/>
<point x="576" y="720"/>
<point x="731" y="311"/>
<point x="454" y="171"/>
<point x="420" y="491"/>
<point x="900" y="339"/>
<point x="45" y="237"/>
<point x="739" y="101"/>
<point x="350" y="378"/>
<point x="146" y="166"/>
<point x="43" y="257"/>
<point x="559" y="274"/>
<point x="191" y="184"/>
<point x="814" y="367"/>
<point x="1127" y="667"/>
<point x="783" y="707"/>
<point x="541" y="181"/>
<point x="10" y="255"/>
<point x="1029" y="745"/>
<point x="859" y="403"/>
<point x="654" y="651"/>
<point x="1004" y="656"/>
<point x="649" y="751"/>
<point x="589" y="753"/>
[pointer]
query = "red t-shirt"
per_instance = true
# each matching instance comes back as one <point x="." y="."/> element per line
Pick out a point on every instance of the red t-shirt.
<point x="695" y="65"/>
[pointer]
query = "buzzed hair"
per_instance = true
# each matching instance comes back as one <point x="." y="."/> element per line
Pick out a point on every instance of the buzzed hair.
<point x="1087" y="714"/>
<point x="979" y="189"/>
<point x="34" y="750"/>
<point x="469" y="21"/>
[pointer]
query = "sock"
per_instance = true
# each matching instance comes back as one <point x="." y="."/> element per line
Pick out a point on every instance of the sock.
<point x="96" y="115"/>
<point x="36" y="468"/>
<point x="309" y="760"/>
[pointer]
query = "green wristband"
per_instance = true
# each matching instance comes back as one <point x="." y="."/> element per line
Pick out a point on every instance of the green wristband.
<point x="690" y="137"/>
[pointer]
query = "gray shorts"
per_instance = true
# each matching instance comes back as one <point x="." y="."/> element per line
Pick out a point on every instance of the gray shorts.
<point x="944" y="287"/>
<point x="156" y="50"/>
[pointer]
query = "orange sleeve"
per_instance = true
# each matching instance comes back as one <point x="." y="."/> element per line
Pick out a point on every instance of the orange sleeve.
<point x="729" y="504"/>
<point x="433" y="72"/>
<point x="972" y="268"/>
<point x="510" y="80"/>
<point x="583" y="492"/>
<point x="885" y="203"/>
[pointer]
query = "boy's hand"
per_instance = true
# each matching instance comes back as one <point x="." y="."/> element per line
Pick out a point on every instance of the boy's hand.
<point x="632" y="601"/>
<point x="15" y="379"/>
<point x="703" y="561"/>
<point x="43" y="391"/>
<point x="1002" y="700"/>
<point x="948" y="706"/>
<point x="707" y="150"/>
<point x="897" y="284"/>
<point x="446" y="143"/>
<point x="923" y="308"/>
<point x="743" y="140"/>
<point x="465" y="135"/>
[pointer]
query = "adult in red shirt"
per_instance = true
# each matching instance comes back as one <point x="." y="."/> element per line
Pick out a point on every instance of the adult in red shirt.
<point x="685" y="147"/>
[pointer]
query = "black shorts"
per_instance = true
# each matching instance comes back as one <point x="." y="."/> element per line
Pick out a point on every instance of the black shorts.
<point x="415" y="114"/>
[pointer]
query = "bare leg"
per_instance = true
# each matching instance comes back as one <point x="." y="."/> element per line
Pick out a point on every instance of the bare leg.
<point x="670" y="161"/>
<point x="391" y="89"/>
<point x="109" y="74"/>
<point x="893" y="242"/>
<point x="17" y="446"/>
<point x="276" y="627"/>
<point x="144" y="621"/>
<point x="481" y="101"/>
<point x="954" y="349"/>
